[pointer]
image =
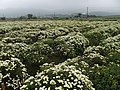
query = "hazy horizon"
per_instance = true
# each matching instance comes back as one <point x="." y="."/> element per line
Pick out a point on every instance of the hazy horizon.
<point x="10" y="7"/>
<point x="57" y="4"/>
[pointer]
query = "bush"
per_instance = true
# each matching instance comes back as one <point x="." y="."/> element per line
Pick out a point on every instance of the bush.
<point x="3" y="18"/>
<point x="61" y="76"/>
<point x="71" y="45"/>
<point x="95" y="58"/>
<point x="12" y="73"/>
<point x="37" y="53"/>
<point x="96" y="36"/>
<point x="32" y="56"/>
<point x="115" y="57"/>
<point x="95" y="49"/>
<point x="111" y="44"/>
<point x="106" y="77"/>
<point x="54" y="33"/>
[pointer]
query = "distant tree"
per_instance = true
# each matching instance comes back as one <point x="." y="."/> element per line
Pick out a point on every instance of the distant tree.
<point x="22" y="17"/>
<point x="29" y="16"/>
<point x="92" y="16"/>
<point x="79" y="14"/>
<point x="3" y="18"/>
<point x="34" y="17"/>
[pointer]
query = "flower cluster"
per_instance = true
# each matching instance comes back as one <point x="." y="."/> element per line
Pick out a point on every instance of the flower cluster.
<point x="12" y="73"/>
<point x="72" y="44"/>
<point x="62" y="76"/>
<point x="60" y="55"/>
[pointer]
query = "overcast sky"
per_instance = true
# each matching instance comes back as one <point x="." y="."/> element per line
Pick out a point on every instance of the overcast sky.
<point x="58" y="4"/>
<point x="12" y="8"/>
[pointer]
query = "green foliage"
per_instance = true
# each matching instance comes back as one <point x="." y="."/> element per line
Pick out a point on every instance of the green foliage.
<point x="71" y="45"/>
<point x="59" y="77"/>
<point x="95" y="58"/>
<point x="96" y="36"/>
<point x="3" y="18"/>
<point x="12" y="73"/>
<point x="95" y="49"/>
<point x="107" y="77"/>
<point x="35" y="55"/>
<point x="115" y="57"/>
<point x="29" y="16"/>
<point x="60" y="54"/>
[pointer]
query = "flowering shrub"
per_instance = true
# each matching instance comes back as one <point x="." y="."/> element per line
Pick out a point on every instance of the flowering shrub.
<point x="106" y="77"/>
<point x="95" y="49"/>
<point x="35" y="55"/>
<point x="115" y="57"/>
<point x="112" y="44"/>
<point x="54" y="33"/>
<point x="71" y="45"/>
<point x="12" y="73"/>
<point x="112" y="47"/>
<point x="77" y="62"/>
<point x="61" y="76"/>
<point x="112" y="39"/>
<point x="12" y="40"/>
<point x="95" y="58"/>
<point x="96" y="36"/>
<point x="12" y="49"/>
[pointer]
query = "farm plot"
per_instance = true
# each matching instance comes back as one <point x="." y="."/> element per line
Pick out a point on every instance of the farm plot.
<point x="60" y="55"/>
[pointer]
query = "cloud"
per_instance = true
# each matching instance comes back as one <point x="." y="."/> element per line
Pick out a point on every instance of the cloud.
<point x="103" y="3"/>
<point x="58" y="4"/>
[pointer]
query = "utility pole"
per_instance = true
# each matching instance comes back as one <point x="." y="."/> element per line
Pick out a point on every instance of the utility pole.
<point x="87" y="12"/>
<point x="87" y="8"/>
<point x="54" y="15"/>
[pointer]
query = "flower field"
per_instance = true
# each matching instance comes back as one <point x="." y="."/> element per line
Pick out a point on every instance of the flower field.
<point x="60" y="55"/>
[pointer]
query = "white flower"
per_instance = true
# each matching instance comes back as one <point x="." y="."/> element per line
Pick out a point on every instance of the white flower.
<point x="60" y="81"/>
<point x="75" y="80"/>
<point x="23" y="87"/>
<point x="45" y="82"/>
<point x="49" y="88"/>
<point x="57" y="76"/>
<point x="46" y="78"/>
<point x="66" y="85"/>
<point x="42" y="88"/>
<point x="80" y="86"/>
<point x="59" y="88"/>
<point x="31" y="83"/>
<point x="52" y="82"/>
<point x="72" y="78"/>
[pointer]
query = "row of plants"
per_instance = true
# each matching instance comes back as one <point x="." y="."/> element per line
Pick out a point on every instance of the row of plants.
<point x="60" y="55"/>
